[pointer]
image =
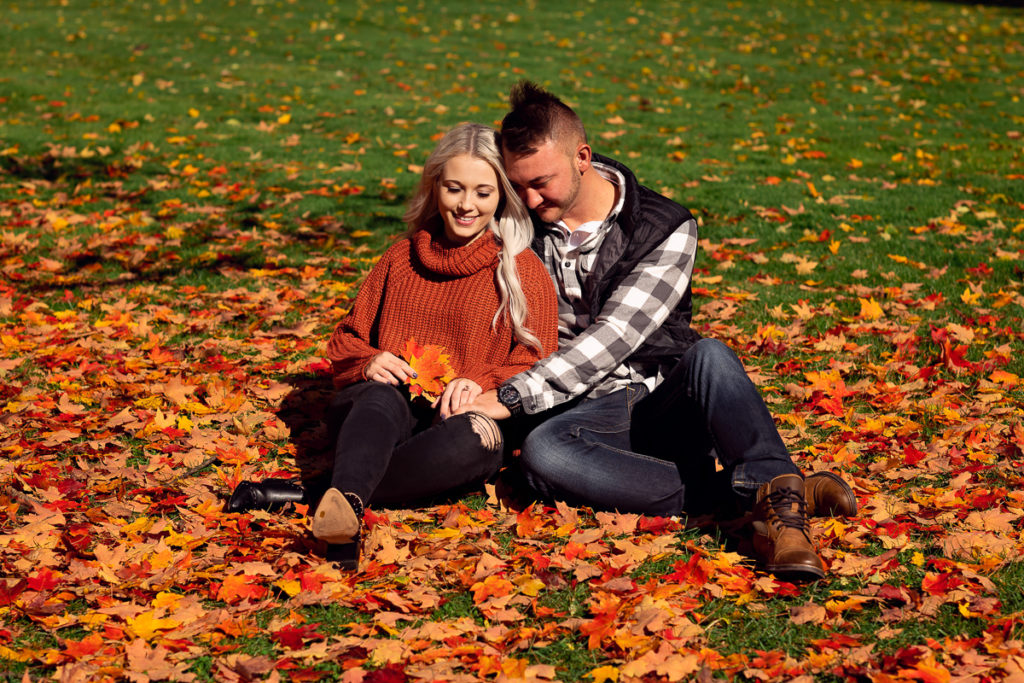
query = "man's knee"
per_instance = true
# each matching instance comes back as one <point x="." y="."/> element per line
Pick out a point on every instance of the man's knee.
<point x="488" y="431"/>
<point x="713" y="353"/>
<point x="543" y="450"/>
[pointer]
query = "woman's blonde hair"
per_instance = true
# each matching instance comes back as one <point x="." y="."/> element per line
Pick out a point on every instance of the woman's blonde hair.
<point x="511" y="223"/>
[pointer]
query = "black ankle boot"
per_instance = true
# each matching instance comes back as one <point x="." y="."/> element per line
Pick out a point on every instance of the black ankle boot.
<point x="269" y="494"/>
<point x="345" y="555"/>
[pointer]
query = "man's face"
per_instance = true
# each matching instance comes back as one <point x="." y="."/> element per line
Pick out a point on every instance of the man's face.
<point x="548" y="181"/>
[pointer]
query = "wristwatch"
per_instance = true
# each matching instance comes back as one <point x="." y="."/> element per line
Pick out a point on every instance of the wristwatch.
<point x="509" y="397"/>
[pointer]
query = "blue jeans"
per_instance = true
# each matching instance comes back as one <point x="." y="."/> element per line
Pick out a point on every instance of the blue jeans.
<point x="654" y="452"/>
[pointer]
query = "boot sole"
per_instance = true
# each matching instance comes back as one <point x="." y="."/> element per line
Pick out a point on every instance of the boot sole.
<point x="796" y="572"/>
<point x="334" y="520"/>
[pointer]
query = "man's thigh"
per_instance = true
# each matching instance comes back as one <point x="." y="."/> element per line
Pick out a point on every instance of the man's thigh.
<point x="584" y="455"/>
<point x="603" y="420"/>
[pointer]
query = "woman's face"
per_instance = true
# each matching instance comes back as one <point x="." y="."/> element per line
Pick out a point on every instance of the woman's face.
<point x="467" y="197"/>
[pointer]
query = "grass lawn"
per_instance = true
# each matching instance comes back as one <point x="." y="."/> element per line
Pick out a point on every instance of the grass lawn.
<point x="192" y="190"/>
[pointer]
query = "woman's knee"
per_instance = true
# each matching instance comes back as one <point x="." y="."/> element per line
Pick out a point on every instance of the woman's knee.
<point x="376" y="392"/>
<point x="488" y="431"/>
<point x="375" y="396"/>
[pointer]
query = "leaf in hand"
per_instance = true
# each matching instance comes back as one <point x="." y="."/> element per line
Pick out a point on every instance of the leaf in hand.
<point x="432" y="367"/>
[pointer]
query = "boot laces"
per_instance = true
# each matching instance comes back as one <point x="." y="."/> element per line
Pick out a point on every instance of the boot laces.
<point x="781" y="502"/>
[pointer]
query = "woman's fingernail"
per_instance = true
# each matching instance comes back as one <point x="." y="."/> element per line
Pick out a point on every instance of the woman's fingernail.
<point x="415" y="375"/>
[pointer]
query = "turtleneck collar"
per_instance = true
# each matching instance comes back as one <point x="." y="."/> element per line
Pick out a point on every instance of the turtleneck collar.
<point x="443" y="258"/>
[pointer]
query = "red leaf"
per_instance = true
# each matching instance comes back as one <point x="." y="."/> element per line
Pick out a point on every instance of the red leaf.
<point x="8" y="594"/>
<point x="292" y="637"/>
<point x="392" y="673"/>
<point x="77" y="649"/>
<point x="43" y="580"/>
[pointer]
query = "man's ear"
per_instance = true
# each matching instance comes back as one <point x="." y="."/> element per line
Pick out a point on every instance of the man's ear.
<point x="583" y="157"/>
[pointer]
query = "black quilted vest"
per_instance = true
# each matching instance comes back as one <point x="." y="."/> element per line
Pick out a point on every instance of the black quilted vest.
<point x="646" y="220"/>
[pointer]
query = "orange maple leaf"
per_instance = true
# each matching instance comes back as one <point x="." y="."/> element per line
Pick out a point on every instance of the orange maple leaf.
<point x="239" y="587"/>
<point x="432" y="367"/>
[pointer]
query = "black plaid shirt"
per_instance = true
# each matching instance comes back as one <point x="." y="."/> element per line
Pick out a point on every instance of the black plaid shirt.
<point x="595" y="346"/>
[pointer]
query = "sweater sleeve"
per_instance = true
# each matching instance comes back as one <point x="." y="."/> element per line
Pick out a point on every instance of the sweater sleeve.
<point x="542" y="320"/>
<point x="351" y="345"/>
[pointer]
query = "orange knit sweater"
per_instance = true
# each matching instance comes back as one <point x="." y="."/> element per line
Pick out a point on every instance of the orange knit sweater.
<point x="447" y="296"/>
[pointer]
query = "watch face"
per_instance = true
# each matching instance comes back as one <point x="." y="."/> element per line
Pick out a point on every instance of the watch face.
<point x="508" y="395"/>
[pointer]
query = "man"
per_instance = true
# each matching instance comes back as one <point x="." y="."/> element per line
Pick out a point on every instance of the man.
<point x="636" y="406"/>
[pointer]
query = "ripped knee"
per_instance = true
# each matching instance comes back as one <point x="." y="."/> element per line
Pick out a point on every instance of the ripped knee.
<point x="488" y="431"/>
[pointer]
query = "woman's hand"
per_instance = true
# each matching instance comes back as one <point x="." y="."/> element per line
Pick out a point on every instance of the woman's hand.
<point x="388" y="368"/>
<point x="460" y="392"/>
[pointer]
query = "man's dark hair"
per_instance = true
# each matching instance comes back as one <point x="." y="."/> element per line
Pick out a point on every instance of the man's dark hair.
<point x="538" y="116"/>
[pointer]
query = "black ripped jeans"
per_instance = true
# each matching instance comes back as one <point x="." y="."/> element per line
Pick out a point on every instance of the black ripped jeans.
<point x="389" y="451"/>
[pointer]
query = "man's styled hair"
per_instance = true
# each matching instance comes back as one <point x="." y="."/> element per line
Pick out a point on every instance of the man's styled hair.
<point x="536" y="117"/>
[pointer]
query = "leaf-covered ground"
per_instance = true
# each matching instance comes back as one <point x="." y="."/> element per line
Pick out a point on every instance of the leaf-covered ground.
<point x="190" y="193"/>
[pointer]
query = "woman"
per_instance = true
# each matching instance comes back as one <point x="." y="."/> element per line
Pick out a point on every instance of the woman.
<point x="462" y="279"/>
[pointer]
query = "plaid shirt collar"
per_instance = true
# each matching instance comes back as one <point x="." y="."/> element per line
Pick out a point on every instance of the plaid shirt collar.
<point x="587" y="234"/>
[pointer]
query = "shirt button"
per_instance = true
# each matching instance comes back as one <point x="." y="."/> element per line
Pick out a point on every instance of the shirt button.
<point x="567" y="264"/>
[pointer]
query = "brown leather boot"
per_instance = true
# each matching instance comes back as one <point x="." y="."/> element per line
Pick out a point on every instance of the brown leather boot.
<point x="828" y="495"/>
<point x="782" y="534"/>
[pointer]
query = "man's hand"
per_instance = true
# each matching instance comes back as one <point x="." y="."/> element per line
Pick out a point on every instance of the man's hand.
<point x="388" y="368"/>
<point x="486" y="403"/>
<point x="459" y="392"/>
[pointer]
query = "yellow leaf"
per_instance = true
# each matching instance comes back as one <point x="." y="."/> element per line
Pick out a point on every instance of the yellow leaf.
<point x="166" y="599"/>
<point x="15" y="655"/>
<point x="147" y="625"/>
<point x="870" y="309"/>
<point x="139" y="525"/>
<point x="529" y="585"/>
<point x="604" y="673"/>
<point x="966" y="611"/>
<point x="969" y="297"/>
<point x="284" y="118"/>
<point x="193" y="112"/>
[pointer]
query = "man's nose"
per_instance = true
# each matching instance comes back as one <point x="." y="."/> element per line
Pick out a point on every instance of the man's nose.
<point x="532" y="199"/>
